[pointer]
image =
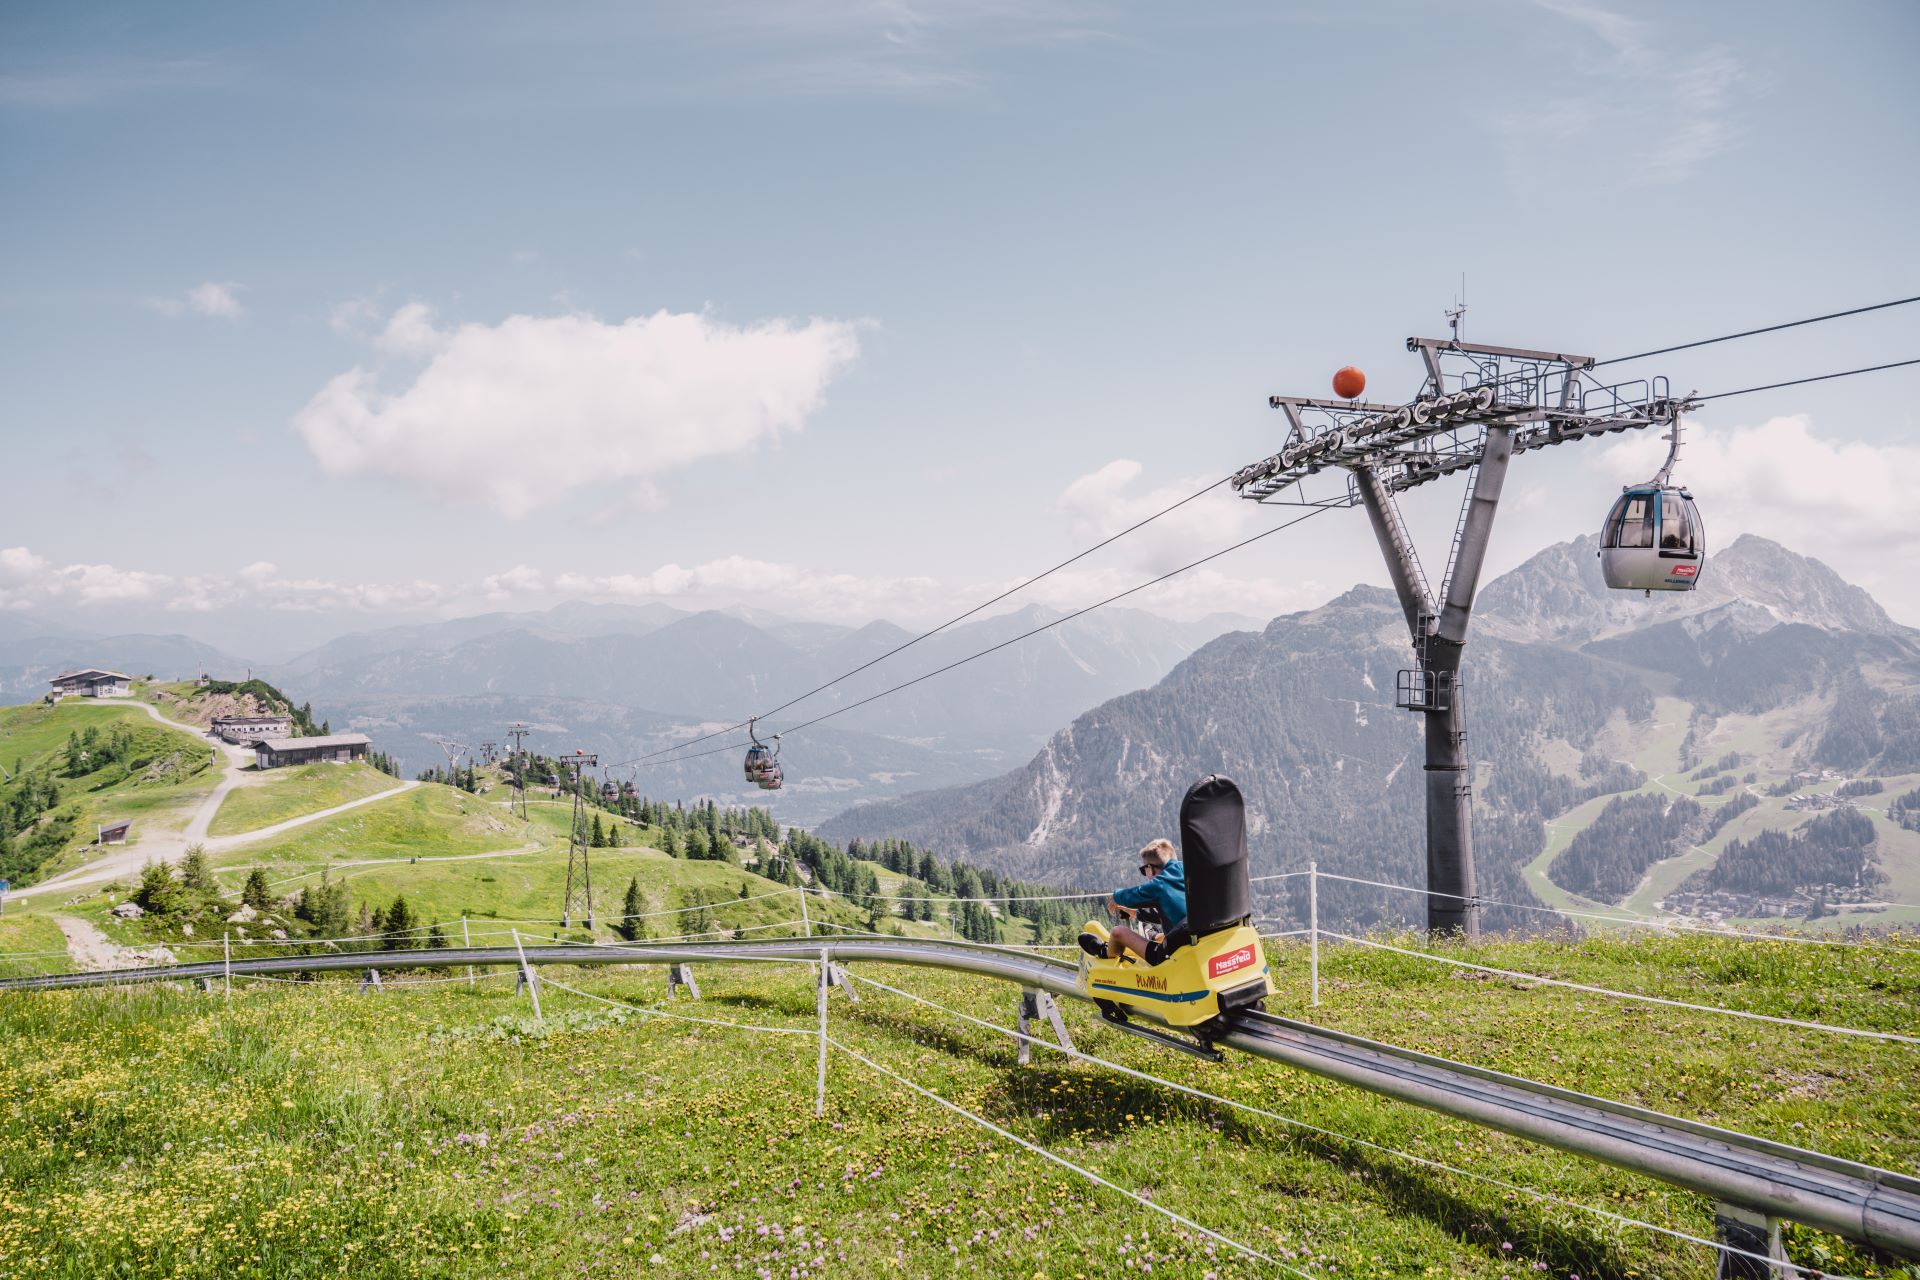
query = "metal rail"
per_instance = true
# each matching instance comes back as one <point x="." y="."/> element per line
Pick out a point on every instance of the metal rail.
<point x="1868" y="1205"/>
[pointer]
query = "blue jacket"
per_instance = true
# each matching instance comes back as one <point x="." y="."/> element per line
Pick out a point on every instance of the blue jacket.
<point x="1166" y="892"/>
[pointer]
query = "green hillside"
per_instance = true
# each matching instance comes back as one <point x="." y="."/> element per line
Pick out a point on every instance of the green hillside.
<point x="430" y="1130"/>
<point x="75" y="765"/>
<point x="279" y="794"/>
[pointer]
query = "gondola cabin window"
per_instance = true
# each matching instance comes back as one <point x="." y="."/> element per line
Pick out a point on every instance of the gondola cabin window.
<point x="1676" y="531"/>
<point x="1632" y="522"/>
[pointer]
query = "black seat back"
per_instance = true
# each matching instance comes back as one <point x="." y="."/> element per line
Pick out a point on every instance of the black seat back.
<point x="1213" y="845"/>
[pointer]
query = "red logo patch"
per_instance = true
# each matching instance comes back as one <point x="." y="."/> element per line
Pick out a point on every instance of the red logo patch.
<point x="1685" y="570"/>
<point x="1222" y="965"/>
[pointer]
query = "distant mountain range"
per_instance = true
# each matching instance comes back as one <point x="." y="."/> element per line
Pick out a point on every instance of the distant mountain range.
<point x="1559" y="669"/>
<point x="629" y="680"/>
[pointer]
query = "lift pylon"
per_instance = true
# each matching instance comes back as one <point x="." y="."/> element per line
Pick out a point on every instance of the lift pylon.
<point x="579" y="867"/>
<point x="1479" y="406"/>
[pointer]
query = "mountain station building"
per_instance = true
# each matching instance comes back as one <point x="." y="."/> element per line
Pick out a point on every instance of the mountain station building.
<point x="237" y="729"/>
<point x="91" y="683"/>
<point x="334" y="748"/>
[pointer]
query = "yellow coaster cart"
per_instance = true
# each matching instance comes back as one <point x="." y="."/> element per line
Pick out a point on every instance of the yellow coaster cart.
<point x="1212" y="965"/>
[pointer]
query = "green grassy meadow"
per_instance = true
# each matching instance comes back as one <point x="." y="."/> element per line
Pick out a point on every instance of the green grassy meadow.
<point x="279" y="794"/>
<point x="433" y="1130"/>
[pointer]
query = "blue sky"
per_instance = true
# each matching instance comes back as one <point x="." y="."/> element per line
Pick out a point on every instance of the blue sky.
<point x="318" y="318"/>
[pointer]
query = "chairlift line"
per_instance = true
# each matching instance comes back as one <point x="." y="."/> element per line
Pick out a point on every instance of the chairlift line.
<point x="1800" y="382"/>
<point x="984" y="604"/>
<point x="1664" y="504"/>
<point x="961" y="662"/>
<point x="1748" y="333"/>
<point x="650" y="762"/>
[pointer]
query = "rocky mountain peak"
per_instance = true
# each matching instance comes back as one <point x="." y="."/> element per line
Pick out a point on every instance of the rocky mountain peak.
<point x="1558" y="595"/>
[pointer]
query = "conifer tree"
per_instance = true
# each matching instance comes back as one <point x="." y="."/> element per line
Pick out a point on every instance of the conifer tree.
<point x="159" y="892"/>
<point x="257" y="893"/>
<point x="631" y="926"/>
<point x="399" y="924"/>
<point x="195" y="874"/>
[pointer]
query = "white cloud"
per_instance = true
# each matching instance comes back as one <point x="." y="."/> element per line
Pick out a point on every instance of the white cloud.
<point x="410" y="332"/>
<point x="1845" y="502"/>
<point x="350" y="319"/>
<point x="1651" y="114"/>
<point x="862" y="48"/>
<point x="27" y="578"/>
<point x="731" y="580"/>
<point x="219" y="299"/>
<point x="1105" y="501"/>
<point x="521" y="414"/>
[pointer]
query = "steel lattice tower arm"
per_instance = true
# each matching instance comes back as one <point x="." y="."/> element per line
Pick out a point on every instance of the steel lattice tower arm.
<point x="1480" y="405"/>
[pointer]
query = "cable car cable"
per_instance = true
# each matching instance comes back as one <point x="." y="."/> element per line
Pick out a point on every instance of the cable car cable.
<point x="669" y="752"/>
<point x="1120" y="595"/>
<point x="960" y="662"/>
<point x="1748" y="333"/>
<point x="1796" y="382"/>
<point x="1018" y="587"/>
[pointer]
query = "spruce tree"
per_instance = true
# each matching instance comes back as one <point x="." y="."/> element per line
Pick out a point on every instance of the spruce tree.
<point x="400" y="922"/>
<point x="257" y="893"/>
<point x="195" y="874"/>
<point x="599" y="837"/>
<point x="631" y="926"/>
<point x="159" y="892"/>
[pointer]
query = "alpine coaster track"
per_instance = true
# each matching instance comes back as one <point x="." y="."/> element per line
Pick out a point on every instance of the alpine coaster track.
<point x="1876" y="1207"/>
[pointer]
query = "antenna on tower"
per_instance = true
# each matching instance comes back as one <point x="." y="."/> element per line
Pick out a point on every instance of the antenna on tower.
<point x="1458" y="311"/>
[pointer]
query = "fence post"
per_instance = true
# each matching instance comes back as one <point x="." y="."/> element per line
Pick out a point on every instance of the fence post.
<point x="527" y="975"/>
<point x="805" y="922"/>
<point x="820" y="1088"/>
<point x="226" y="965"/>
<point x="466" y="941"/>
<point x="1313" y="926"/>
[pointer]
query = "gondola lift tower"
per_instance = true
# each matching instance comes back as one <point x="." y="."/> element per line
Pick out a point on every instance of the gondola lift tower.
<point x="1478" y="407"/>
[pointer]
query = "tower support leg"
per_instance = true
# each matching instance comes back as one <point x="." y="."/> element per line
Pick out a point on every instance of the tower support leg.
<point x="681" y="975"/>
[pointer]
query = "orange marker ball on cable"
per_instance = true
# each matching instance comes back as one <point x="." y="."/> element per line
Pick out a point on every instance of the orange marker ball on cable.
<point x="1349" y="382"/>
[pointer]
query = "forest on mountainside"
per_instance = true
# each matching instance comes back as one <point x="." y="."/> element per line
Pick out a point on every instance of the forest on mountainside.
<point x="1607" y="859"/>
<point x="1834" y="848"/>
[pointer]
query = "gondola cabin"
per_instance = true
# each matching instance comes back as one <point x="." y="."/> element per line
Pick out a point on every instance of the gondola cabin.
<point x="1212" y="965"/>
<point x="1653" y="540"/>
<point x="759" y="760"/>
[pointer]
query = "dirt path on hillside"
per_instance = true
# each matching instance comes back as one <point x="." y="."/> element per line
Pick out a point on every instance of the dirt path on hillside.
<point x="172" y="846"/>
<point x="91" y="949"/>
<point x="521" y="851"/>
